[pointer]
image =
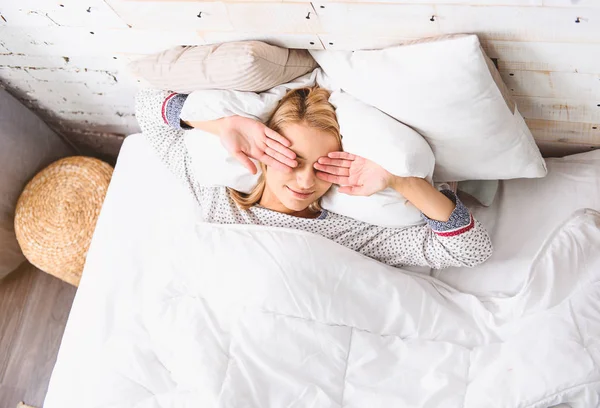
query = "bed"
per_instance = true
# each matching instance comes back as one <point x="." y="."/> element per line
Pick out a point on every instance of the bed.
<point x="174" y="313"/>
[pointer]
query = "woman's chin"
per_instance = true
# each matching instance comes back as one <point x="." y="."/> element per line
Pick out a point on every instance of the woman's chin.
<point x="296" y="205"/>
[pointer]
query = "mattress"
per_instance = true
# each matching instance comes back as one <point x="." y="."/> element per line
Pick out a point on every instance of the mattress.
<point x="145" y="200"/>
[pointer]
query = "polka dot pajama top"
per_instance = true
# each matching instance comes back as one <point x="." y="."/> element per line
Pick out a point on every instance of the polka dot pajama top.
<point x="461" y="241"/>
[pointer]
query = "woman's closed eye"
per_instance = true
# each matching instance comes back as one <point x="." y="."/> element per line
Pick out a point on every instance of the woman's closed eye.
<point x="302" y="162"/>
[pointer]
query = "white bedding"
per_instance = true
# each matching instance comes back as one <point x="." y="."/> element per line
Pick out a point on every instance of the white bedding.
<point x="172" y="312"/>
<point x="523" y="215"/>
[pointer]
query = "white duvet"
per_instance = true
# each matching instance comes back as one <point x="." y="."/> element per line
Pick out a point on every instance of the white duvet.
<point x="173" y="312"/>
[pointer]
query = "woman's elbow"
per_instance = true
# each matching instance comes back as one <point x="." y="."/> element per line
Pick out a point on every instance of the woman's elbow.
<point x="477" y="254"/>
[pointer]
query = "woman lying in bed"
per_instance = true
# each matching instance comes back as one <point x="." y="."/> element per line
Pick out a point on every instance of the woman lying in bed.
<point x="300" y="154"/>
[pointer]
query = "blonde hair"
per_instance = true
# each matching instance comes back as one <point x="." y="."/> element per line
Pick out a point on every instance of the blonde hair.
<point x="304" y="105"/>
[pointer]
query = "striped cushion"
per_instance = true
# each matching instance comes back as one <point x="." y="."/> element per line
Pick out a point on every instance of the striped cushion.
<point x="242" y="66"/>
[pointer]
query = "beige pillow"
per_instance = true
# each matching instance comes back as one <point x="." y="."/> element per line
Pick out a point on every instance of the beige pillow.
<point x="243" y="66"/>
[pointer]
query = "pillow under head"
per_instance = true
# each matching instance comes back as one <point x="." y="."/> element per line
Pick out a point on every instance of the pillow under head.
<point x="374" y="135"/>
<point x="365" y="130"/>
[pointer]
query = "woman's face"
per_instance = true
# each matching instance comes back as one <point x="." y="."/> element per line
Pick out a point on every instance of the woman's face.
<point x="294" y="192"/>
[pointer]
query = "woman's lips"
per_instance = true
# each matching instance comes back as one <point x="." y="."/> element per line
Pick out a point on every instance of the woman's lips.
<point x="300" y="194"/>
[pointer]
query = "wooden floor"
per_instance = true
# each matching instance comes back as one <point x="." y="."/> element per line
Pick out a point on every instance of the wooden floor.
<point x="34" y="308"/>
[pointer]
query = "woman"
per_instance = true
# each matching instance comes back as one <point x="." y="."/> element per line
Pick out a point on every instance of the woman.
<point x="300" y="154"/>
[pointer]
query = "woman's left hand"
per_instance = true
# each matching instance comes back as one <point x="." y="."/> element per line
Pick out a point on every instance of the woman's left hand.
<point x="356" y="175"/>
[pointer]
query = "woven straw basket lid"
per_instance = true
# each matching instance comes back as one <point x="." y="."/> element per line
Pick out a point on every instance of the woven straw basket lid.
<point x="57" y="213"/>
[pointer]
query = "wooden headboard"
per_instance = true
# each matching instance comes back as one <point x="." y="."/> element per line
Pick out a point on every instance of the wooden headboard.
<point x="66" y="58"/>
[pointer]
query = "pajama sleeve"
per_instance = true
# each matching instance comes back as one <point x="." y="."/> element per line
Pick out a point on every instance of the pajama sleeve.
<point x="157" y="113"/>
<point x="460" y="241"/>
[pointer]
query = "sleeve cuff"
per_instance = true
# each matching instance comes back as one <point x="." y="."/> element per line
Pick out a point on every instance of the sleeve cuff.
<point x="171" y="110"/>
<point x="460" y="220"/>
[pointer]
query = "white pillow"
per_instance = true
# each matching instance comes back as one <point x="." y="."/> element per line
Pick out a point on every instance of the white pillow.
<point x="366" y="131"/>
<point x="214" y="166"/>
<point x="211" y="104"/>
<point x="445" y="90"/>
<point x="374" y="135"/>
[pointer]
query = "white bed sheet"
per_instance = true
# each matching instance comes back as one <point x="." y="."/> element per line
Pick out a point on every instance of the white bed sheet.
<point x="142" y="188"/>
<point x="522" y="216"/>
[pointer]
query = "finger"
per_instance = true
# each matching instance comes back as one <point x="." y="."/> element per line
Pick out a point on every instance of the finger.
<point x="342" y="155"/>
<point x="271" y="134"/>
<point x="242" y="158"/>
<point x="280" y="157"/>
<point x="335" y="162"/>
<point x="330" y="178"/>
<point x="277" y="165"/>
<point x="338" y="171"/>
<point x="280" y="148"/>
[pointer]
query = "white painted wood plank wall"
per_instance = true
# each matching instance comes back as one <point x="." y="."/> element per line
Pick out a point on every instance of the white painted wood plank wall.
<point x="66" y="58"/>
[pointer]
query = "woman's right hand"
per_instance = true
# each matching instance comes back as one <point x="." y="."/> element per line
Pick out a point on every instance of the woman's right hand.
<point x="246" y="138"/>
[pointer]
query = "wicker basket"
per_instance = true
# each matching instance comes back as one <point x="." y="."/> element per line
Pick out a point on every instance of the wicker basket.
<point x="57" y="213"/>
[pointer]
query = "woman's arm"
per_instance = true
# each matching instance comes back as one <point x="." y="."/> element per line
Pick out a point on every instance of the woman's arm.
<point x="432" y="203"/>
<point x="159" y="116"/>
<point x="424" y="245"/>
<point x="214" y="127"/>
<point x="452" y="237"/>
<point x="359" y="176"/>
<point x="246" y="138"/>
<point x="157" y="113"/>
<point x="458" y="240"/>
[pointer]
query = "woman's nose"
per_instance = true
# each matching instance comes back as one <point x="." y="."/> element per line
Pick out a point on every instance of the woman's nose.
<point x="305" y="177"/>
